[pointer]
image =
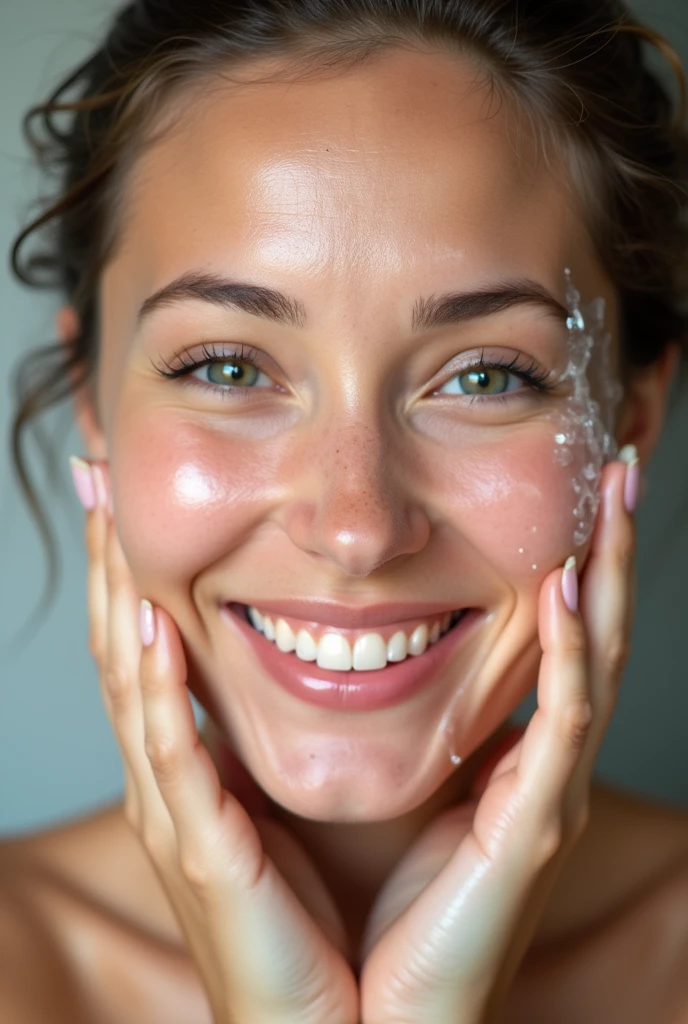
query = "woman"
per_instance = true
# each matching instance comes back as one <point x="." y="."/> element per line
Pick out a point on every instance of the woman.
<point x="370" y="314"/>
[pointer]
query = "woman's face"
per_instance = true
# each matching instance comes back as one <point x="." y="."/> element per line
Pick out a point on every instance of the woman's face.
<point x="355" y="465"/>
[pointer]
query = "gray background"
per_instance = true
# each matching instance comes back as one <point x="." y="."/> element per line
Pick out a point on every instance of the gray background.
<point x="58" y="757"/>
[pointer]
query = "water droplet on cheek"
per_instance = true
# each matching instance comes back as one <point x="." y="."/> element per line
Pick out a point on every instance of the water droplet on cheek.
<point x="585" y="424"/>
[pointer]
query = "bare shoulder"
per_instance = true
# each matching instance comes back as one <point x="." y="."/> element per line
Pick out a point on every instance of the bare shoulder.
<point x="36" y="983"/>
<point x="613" y="942"/>
<point x="96" y="861"/>
<point x="80" y="910"/>
<point x="632" y="845"/>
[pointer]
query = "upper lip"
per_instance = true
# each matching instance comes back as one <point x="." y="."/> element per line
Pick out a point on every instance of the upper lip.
<point x="328" y="613"/>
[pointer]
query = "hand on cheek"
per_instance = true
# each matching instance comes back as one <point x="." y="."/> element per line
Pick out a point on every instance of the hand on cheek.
<point x="453" y="922"/>
<point x="262" y="951"/>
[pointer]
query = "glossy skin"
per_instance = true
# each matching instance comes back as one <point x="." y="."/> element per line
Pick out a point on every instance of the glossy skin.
<point x="346" y="485"/>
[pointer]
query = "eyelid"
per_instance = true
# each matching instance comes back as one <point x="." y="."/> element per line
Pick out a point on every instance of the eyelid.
<point x="534" y="375"/>
<point x="210" y="351"/>
<point x="185" y="363"/>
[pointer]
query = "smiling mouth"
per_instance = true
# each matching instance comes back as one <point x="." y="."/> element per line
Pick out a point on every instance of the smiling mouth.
<point x="344" y="650"/>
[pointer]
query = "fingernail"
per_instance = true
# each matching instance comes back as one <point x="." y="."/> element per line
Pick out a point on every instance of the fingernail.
<point x="629" y="455"/>
<point x="147" y="621"/>
<point x="569" y="584"/>
<point x="83" y="481"/>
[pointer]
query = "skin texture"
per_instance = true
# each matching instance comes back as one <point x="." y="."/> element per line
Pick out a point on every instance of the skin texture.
<point x="346" y="485"/>
<point x="352" y="483"/>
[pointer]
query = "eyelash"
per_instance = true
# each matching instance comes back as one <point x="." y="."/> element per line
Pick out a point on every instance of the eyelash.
<point x="185" y="367"/>
<point x="536" y="378"/>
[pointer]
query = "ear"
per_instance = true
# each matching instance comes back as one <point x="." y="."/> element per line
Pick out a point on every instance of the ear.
<point x="643" y="409"/>
<point x="84" y="401"/>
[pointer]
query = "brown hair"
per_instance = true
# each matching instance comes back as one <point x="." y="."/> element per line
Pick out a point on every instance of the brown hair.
<point x="576" y="66"/>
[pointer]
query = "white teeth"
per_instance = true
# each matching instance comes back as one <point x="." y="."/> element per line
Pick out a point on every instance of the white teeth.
<point x="334" y="651"/>
<point x="419" y="640"/>
<point x="305" y="646"/>
<point x="284" y="636"/>
<point x="268" y="627"/>
<point x="370" y="651"/>
<point x="256" y="618"/>
<point x="397" y="647"/>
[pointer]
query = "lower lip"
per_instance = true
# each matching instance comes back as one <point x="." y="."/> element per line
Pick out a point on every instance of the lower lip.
<point x="352" y="691"/>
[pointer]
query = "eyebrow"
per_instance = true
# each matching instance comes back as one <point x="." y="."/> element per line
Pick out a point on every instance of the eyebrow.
<point x="433" y="311"/>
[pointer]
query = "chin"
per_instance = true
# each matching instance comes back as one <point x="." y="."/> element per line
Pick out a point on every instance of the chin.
<point x="352" y="785"/>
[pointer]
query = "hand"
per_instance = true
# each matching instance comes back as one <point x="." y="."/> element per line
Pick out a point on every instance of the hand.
<point x="453" y="922"/>
<point x="264" y="954"/>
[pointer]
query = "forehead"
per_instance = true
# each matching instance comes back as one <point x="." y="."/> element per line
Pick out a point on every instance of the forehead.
<point x="409" y="171"/>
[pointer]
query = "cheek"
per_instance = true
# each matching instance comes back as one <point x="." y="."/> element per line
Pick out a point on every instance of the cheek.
<point x="514" y="504"/>
<point x="187" y="496"/>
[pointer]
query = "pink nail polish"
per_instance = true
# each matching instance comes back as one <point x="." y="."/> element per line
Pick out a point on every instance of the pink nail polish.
<point x="147" y="622"/>
<point x="83" y="481"/>
<point x="632" y="485"/>
<point x="569" y="584"/>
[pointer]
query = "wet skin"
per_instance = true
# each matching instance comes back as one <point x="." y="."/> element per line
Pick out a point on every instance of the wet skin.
<point x="343" y="474"/>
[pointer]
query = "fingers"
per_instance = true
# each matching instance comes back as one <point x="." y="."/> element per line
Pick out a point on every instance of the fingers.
<point x="95" y="531"/>
<point x="558" y="731"/>
<point x="113" y="634"/>
<point x="584" y="653"/>
<point x="173" y="792"/>
<point x="208" y="820"/>
<point x="608" y="590"/>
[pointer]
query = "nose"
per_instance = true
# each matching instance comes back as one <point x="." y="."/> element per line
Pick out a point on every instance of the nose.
<point x="354" y="504"/>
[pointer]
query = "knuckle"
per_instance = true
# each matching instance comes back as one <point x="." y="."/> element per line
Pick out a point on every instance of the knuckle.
<point x="615" y="656"/>
<point x="131" y="812"/>
<point x="574" y="724"/>
<point x="117" y="684"/>
<point x="196" y="871"/>
<point x="163" y="754"/>
<point x="154" y="843"/>
<point x="551" y="840"/>
<point x="151" y="683"/>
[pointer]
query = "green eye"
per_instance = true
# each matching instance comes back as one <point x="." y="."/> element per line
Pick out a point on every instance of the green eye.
<point x="483" y="380"/>
<point x="236" y="372"/>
